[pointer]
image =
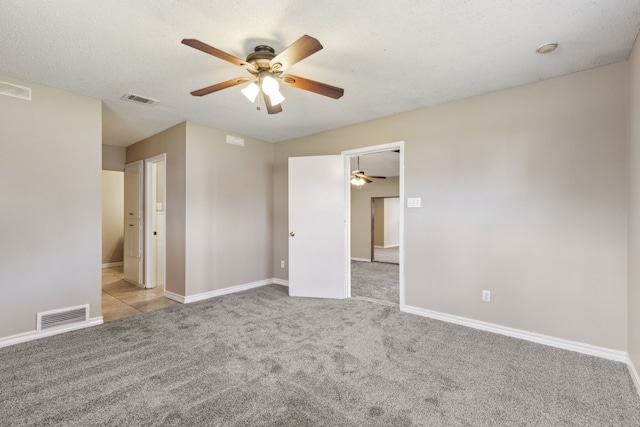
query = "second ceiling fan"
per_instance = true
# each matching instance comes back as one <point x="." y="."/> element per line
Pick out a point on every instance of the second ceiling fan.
<point x="266" y="69"/>
<point x="358" y="177"/>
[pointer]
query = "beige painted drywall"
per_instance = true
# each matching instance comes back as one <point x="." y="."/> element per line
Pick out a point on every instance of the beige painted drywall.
<point x="361" y="213"/>
<point x="50" y="212"/>
<point x="172" y="142"/>
<point x="229" y="211"/>
<point x="112" y="216"/>
<point x="523" y="193"/>
<point x="219" y="208"/>
<point x="391" y="222"/>
<point x="634" y="206"/>
<point x="113" y="158"/>
<point x="378" y="222"/>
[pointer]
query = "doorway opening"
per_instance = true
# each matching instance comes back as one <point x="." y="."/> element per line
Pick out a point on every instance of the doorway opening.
<point x="385" y="229"/>
<point x="366" y="278"/>
<point x="125" y="287"/>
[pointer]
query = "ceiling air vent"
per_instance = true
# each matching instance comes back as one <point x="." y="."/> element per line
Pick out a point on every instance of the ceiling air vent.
<point x="16" y="91"/>
<point x="139" y="99"/>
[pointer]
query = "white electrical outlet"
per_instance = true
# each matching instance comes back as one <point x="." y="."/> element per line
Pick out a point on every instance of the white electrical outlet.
<point x="282" y="264"/>
<point x="486" y="296"/>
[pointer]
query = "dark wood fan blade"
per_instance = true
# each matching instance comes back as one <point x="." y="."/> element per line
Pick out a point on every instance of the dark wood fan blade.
<point x="313" y="86"/>
<point x="303" y="47"/>
<point x="220" y="86"/>
<point x="359" y="175"/>
<point x="378" y="177"/>
<point x="197" y="44"/>
<point x="272" y="109"/>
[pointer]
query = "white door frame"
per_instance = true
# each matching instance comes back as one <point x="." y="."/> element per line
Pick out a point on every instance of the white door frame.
<point x="149" y="212"/>
<point x="399" y="145"/>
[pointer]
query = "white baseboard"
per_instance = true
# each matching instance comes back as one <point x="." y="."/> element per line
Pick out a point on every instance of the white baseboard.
<point x="223" y="291"/>
<point x="34" y="335"/>
<point x="592" y="350"/>
<point x="174" y="296"/>
<point x="280" y="282"/>
<point x="113" y="264"/>
<point x="634" y="374"/>
<point x="360" y="259"/>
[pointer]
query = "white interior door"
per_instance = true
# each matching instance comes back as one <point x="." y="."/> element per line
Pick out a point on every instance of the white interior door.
<point x="133" y="223"/>
<point x="317" y="224"/>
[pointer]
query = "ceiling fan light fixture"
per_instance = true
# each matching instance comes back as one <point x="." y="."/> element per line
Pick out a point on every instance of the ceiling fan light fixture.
<point x="270" y="85"/>
<point x="276" y="98"/>
<point x="251" y="91"/>
<point x="266" y="68"/>
<point x="358" y="181"/>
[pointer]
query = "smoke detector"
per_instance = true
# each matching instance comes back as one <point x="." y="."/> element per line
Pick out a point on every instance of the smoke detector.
<point x="547" y="48"/>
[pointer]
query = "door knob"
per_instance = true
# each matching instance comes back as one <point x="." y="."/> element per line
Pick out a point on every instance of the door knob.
<point x="292" y="234"/>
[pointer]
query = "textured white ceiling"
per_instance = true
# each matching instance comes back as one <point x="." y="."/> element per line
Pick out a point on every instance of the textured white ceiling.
<point x="386" y="163"/>
<point x="389" y="56"/>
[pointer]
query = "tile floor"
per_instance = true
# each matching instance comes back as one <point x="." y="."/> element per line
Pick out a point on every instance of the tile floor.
<point x="121" y="299"/>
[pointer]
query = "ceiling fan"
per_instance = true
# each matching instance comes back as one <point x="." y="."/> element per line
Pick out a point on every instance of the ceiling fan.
<point x="358" y="178"/>
<point x="266" y="70"/>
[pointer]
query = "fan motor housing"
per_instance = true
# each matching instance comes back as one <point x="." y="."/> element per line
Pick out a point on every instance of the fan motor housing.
<point x="261" y="58"/>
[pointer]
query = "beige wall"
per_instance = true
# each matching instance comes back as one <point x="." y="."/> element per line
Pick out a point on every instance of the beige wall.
<point x="50" y="210"/>
<point x="378" y="222"/>
<point x="634" y="206"/>
<point x="391" y="222"/>
<point x="113" y="158"/>
<point x="523" y="193"/>
<point x="361" y="214"/>
<point x="112" y="216"/>
<point x="172" y="142"/>
<point x="219" y="207"/>
<point x="229" y="204"/>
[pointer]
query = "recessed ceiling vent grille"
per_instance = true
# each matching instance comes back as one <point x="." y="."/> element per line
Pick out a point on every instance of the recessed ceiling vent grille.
<point x="139" y="99"/>
<point x="16" y="91"/>
<point x="62" y="317"/>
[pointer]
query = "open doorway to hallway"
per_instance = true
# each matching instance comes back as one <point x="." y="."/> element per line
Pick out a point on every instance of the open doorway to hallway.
<point x="122" y="299"/>
<point x="133" y="213"/>
<point x="371" y="279"/>
<point x="385" y="229"/>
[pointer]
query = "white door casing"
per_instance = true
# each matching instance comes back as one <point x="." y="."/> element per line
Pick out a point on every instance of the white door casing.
<point x="318" y="261"/>
<point x="154" y="255"/>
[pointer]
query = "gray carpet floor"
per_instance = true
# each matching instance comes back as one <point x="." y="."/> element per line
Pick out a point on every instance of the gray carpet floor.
<point x="262" y="358"/>
<point x="391" y="255"/>
<point x="375" y="280"/>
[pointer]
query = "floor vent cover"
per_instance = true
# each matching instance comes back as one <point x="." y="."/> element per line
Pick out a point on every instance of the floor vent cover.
<point x="63" y="316"/>
<point x="16" y="91"/>
<point x="139" y="99"/>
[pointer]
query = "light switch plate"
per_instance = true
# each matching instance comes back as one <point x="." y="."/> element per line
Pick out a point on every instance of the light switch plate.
<point x="414" y="202"/>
